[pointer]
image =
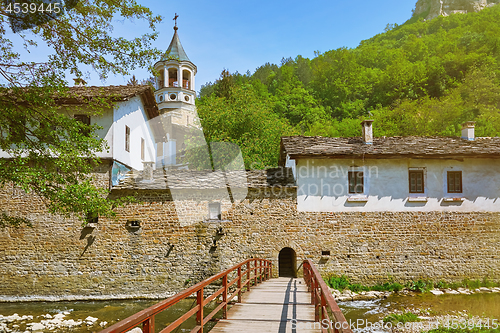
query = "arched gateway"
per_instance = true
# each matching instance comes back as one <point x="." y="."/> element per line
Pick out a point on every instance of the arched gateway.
<point x="287" y="262"/>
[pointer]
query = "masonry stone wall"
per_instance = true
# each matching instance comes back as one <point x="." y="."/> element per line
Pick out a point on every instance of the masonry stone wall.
<point x="58" y="259"/>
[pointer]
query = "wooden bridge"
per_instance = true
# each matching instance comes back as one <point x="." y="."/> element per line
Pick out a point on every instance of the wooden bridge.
<point x="262" y="304"/>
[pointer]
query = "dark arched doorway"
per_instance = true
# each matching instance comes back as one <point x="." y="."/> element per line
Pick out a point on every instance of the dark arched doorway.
<point x="287" y="261"/>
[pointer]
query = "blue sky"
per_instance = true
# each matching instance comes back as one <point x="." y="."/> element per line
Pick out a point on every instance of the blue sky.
<point x="243" y="35"/>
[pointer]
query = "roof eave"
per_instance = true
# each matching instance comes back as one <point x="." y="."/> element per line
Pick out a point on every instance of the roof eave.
<point x="389" y="156"/>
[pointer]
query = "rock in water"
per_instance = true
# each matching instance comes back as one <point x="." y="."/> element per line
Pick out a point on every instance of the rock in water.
<point x="135" y="330"/>
<point x="436" y="292"/>
<point x="36" y="327"/>
<point x="434" y="8"/>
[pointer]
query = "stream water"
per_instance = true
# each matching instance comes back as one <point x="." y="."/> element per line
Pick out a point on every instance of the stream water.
<point x="372" y="311"/>
<point x="481" y="304"/>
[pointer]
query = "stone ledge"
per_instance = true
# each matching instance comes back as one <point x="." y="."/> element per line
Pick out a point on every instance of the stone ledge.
<point x="453" y="199"/>
<point x="360" y="198"/>
<point x="417" y="199"/>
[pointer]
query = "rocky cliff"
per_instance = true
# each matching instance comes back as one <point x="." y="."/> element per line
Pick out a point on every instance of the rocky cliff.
<point x="430" y="9"/>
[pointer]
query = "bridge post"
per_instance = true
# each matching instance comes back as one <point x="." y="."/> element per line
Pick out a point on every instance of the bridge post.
<point x="323" y="307"/>
<point x="239" y="284"/>
<point x="148" y="326"/>
<point x="255" y="272"/>
<point x="199" y="314"/>
<point x="316" y="301"/>
<point x="248" y="275"/>
<point x="224" y="297"/>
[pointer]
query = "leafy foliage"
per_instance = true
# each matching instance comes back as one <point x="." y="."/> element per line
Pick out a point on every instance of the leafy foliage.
<point x="418" y="78"/>
<point x="337" y="282"/>
<point x="387" y="286"/>
<point x="401" y="318"/>
<point x="420" y="285"/>
<point x="244" y="119"/>
<point x="342" y="282"/>
<point x="49" y="153"/>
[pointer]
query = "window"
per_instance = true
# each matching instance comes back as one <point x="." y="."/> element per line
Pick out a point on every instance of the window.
<point x="454" y="181"/>
<point x="356" y="182"/>
<point x="127" y="138"/>
<point x="159" y="149"/>
<point x="142" y="149"/>
<point x="416" y="178"/>
<point x="214" y="211"/>
<point x="84" y="119"/>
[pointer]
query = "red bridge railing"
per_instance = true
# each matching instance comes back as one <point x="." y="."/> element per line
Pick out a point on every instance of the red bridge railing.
<point x="249" y="272"/>
<point x="326" y="310"/>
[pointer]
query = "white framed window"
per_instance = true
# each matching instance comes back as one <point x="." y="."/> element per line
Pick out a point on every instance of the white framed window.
<point x="454" y="181"/>
<point x="417" y="184"/>
<point x="416" y="181"/>
<point x="143" y="150"/>
<point x="214" y="211"/>
<point x="127" y="139"/>
<point x="356" y="182"/>
<point x="357" y="185"/>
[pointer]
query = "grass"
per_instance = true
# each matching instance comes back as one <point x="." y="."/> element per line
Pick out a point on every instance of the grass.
<point x="388" y="286"/>
<point x="337" y="282"/>
<point x="421" y="286"/>
<point x="466" y="283"/>
<point x="342" y="282"/>
<point x="401" y="318"/>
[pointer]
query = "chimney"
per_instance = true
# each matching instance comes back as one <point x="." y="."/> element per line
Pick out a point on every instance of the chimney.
<point x="367" y="131"/>
<point x="147" y="171"/>
<point x="468" y="130"/>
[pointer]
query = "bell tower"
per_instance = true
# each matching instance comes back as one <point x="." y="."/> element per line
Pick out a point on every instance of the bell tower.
<point x="175" y="94"/>
<point x="175" y="83"/>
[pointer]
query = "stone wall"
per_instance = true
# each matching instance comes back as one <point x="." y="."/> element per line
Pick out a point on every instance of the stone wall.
<point x="58" y="259"/>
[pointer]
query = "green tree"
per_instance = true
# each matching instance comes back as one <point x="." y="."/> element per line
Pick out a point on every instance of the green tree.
<point x="246" y="120"/>
<point x="49" y="153"/>
<point x="224" y="84"/>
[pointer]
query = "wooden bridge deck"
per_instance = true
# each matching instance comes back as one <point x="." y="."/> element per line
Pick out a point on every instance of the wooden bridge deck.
<point x="270" y="307"/>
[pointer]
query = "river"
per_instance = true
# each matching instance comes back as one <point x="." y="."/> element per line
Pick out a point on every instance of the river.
<point x="112" y="311"/>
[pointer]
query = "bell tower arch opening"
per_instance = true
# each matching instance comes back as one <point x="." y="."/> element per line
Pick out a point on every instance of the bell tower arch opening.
<point x="287" y="262"/>
<point x="172" y="77"/>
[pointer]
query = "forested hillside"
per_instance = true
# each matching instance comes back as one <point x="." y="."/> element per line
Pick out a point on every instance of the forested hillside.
<point x="419" y="78"/>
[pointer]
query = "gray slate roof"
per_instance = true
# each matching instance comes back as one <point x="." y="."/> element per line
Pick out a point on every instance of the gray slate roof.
<point x="81" y="95"/>
<point x="207" y="180"/>
<point x="175" y="50"/>
<point x="388" y="147"/>
<point x="119" y="92"/>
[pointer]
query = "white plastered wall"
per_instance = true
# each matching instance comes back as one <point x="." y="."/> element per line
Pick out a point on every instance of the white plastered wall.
<point x="105" y="120"/>
<point x="131" y="113"/>
<point x="323" y="185"/>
